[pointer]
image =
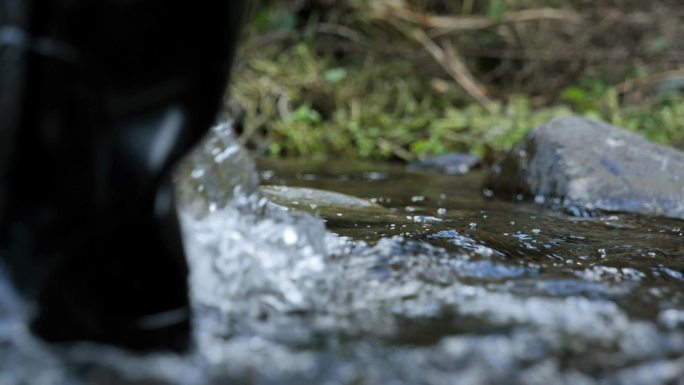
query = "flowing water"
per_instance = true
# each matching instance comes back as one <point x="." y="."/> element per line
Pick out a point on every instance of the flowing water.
<point x="444" y="286"/>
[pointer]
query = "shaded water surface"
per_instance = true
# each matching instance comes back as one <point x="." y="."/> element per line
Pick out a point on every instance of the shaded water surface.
<point x="446" y="286"/>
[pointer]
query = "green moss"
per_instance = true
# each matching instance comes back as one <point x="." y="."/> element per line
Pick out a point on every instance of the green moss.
<point x="300" y="102"/>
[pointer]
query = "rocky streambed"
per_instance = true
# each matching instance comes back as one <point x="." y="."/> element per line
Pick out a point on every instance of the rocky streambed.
<point x="367" y="273"/>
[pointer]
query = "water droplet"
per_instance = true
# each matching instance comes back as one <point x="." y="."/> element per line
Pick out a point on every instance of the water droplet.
<point x="671" y="318"/>
<point x="290" y="236"/>
<point x="225" y="154"/>
<point x="267" y="174"/>
<point x="375" y="176"/>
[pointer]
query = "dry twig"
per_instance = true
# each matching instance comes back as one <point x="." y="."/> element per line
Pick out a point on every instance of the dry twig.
<point x="447" y="24"/>
<point x="451" y="61"/>
<point x="648" y="81"/>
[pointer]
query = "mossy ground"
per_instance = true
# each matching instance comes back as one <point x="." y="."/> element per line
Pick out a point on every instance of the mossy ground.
<point x="304" y="99"/>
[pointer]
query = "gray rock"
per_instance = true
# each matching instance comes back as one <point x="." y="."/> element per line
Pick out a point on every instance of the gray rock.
<point x="326" y="204"/>
<point x="588" y="164"/>
<point x="306" y="197"/>
<point x="338" y="207"/>
<point x="671" y="86"/>
<point x="452" y="163"/>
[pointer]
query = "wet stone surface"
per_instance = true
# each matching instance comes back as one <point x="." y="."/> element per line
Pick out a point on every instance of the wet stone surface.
<point x="451" y="287"/>
<point x="585" y="165"/>
<point x="451" y="163"/>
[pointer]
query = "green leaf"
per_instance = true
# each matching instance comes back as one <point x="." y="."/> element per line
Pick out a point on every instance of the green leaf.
<point x="574" y="95"/>
<point x="305" y="114"/>
<point x="262" y="20"/>
<point x="267" y="20"/>
<point x="286" y="21"/>
<point x="420" y="147"/>
<point x="335" y="75"/>
<point x="658" y="44"/>
<point x="496" y="10"/>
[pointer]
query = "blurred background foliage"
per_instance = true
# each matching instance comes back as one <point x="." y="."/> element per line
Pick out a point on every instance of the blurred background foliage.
<point x="405" y="79"/>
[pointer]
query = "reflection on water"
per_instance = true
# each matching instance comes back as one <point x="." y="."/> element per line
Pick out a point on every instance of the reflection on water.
<point x="448" y="286"/>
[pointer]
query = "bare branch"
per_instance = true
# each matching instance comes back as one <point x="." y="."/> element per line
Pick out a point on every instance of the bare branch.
<point x="451" y="61"/>
<point x="447" y="24"/>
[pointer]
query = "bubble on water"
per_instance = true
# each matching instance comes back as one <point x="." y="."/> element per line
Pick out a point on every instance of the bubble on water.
<point x="671" y="318"/>
<point x="375" y="176"/>
<point x="267" y="175"/>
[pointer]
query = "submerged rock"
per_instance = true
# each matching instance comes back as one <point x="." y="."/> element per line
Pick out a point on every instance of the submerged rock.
<point x="592" y="165"/>
<point x="327" y="204"/>
<point x="452" y="163"/>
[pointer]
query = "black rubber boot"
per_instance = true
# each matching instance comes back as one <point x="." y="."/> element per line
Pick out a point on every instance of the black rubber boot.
<point x="99" y="100"/>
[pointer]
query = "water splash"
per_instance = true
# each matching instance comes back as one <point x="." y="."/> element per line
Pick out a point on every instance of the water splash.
<point x="279" y="299"/>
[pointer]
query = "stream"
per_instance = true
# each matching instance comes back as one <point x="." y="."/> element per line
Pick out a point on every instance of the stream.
<point x="442" y="284"/>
